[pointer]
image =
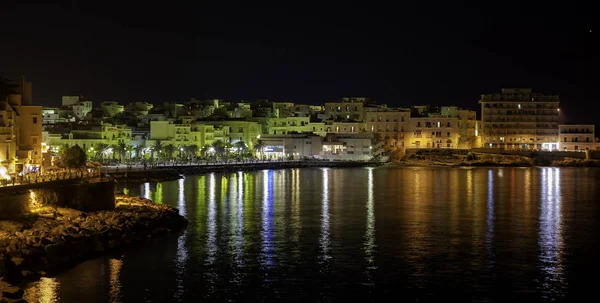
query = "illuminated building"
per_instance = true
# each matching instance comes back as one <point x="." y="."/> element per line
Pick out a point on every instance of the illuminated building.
<point x="576" y="137"/>
<point x="517" y="118"/>
<point x="20" y="128"/>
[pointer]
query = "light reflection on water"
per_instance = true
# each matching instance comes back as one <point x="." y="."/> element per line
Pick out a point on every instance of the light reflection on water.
<point x="329" y="234"/>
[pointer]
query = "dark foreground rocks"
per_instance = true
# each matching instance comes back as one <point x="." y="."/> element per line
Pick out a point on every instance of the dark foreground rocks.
<point x="51" y="239"/>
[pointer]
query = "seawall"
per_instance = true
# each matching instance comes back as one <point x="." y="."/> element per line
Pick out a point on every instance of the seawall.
<point x="83" y="195"/>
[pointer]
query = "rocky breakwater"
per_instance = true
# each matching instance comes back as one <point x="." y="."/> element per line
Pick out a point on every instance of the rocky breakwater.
<point x="50" y="239"/>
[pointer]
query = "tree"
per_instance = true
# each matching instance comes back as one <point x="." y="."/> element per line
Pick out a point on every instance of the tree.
<point x="73" y="157"/>
<point x="129" y="150"/>
<point x="157" y="147"/>
<point x="102" y="150"/>
<point x="191" y="151"/>
<point x="140" y="149"/>
<point x="241" y="148"/>
<point x="219" y="149"/>
<point x="169" y="150"/>
<point x="204" y="151"/>
<point x="258" y="149"/>
<point x="120" y="149"/>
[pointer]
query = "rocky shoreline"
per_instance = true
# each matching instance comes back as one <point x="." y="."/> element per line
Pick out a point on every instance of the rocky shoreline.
<point x="50" y="239"/>
<point x="457" y="158"/>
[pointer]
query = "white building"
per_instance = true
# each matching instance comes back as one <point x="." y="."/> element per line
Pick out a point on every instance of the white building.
<point x="576" y="137"/>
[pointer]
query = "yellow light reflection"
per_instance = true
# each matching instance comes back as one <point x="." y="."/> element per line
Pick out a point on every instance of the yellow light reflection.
<point x="114" y="267"/>
<point x="44" y="291"/>
<point x="295" y="219"/>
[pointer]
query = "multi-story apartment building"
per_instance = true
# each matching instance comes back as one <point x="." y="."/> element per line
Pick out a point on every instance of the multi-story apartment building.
<point x="20" y="127"/>
<point x="520" y="119"/>
<point x="240" y="130"/>
<point x="468" y="128"/>
<point x="434" y="131"/>
<point x="87" y="136"/>
<point x="576" y="137"/>
<point x="348" y="109"/>
<point x="388" y="125"/>
<point x="180" y="135"/>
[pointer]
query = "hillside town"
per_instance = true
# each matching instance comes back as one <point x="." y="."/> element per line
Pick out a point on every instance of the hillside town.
<point x="349" y="129"/>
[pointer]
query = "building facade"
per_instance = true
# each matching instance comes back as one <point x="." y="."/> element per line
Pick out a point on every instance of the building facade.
<point x="576" y="137"/>
<point x="520" y="119"/>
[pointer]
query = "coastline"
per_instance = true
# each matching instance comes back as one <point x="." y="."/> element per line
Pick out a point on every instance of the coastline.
<point x="454" y="158"/>
<point x="51" y="239"/>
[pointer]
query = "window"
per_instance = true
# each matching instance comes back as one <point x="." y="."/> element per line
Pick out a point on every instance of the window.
<point x="448" y="134"/>
<point x="34" y="140"/>
<point x="240" y="129"/>
<point x="34" y="120"/>
<point x="448" y="124"/>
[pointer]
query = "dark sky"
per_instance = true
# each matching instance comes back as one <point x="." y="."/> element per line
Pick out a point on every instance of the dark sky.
<point x="408" y="53"/>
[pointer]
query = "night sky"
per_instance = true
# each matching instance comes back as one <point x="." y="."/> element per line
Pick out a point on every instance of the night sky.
<point x="424" y="53"/>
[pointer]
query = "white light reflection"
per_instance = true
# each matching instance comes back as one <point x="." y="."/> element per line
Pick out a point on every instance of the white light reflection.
<point x="181" y="198"/>
<point x="114" y="267"/>
<point x="489" y="235"/>
<point x="267" y="219"/>
<point x="370" y="231"/>
<point x="324" y="240"/>
<point x="550" y="238"/>
<point x="240" y="218"/>
<point x="146" y="191"/>
<point x="211" y="240"/>
<point x="182" y="251"/>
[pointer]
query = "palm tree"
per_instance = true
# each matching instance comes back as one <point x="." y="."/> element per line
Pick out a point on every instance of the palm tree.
<point x="241" y="148"/>
<point x="220" y="148"/>
<point x="102" y="150"/>
<point x="120" y="149"/>
<point x="258" y="149"/>
<point x="169" y="150"/>
<point x="204" y="151"/>
<point x="129" y="150"/>
<point x="157" y="147"/>
<point x="139" y="150"/>
<point x="191" y="151"/>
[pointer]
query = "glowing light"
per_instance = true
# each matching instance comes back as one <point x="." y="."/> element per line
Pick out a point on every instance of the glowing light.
<point x="4" y="173"/>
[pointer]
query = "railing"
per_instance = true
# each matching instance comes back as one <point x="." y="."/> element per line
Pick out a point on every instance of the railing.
<point x="51" y="177"/>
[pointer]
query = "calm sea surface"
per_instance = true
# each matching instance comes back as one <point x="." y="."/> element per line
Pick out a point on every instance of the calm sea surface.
<point x="361" y="234"/>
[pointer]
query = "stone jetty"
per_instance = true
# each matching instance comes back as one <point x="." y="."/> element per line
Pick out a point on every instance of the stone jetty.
<point x="50" y="239"/>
